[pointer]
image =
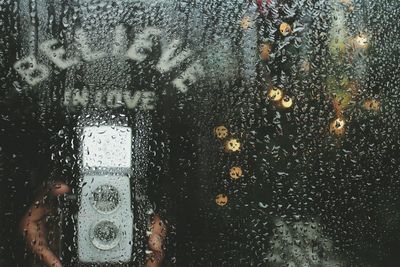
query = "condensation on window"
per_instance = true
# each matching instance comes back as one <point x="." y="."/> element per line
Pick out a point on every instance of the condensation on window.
<point x="199" y="133"/>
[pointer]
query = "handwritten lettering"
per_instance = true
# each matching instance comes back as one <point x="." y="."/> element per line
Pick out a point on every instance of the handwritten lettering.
<point x="143" y="43"/>
<point x="172" y="56"/>
<point x="131" y="101"/>
<point x="188" y="76"/>
<point x="57" y="55"/>
<point x="112" y="99"/>
<point x="169" y="59"/>
<point x="80" y="97"/>
<point x="32" y="72"/>
<point x="120" y="41"/>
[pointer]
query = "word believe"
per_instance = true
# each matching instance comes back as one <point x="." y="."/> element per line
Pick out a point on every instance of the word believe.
<point x="34" y="73"/>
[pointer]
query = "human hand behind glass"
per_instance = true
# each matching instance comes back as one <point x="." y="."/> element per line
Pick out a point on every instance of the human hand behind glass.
<point x="33" y="227"/>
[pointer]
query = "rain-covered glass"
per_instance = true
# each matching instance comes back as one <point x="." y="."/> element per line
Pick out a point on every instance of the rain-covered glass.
<point x="199" y="133"/>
